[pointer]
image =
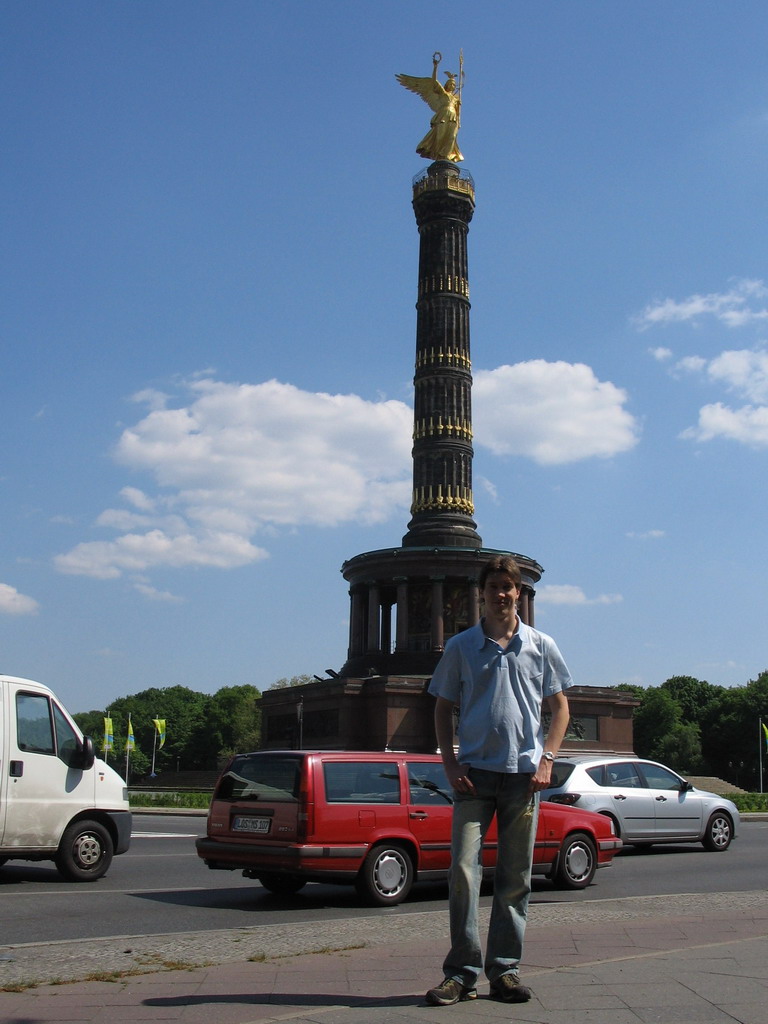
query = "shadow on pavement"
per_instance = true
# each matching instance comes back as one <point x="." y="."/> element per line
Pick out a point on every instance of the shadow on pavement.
<point x="285" y="999"/>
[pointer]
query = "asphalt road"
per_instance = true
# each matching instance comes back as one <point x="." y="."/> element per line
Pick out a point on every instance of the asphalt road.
<point x="160" y="886"/>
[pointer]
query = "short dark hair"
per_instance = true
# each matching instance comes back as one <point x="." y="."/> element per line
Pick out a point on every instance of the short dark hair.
<point x="501" y="563"/>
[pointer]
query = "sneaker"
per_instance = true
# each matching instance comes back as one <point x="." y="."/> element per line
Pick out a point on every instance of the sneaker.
<point x="449" y="992"/>
<point x="508" y="989"/>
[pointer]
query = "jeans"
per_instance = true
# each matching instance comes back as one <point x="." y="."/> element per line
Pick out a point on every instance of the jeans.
<point x="517" y="811"/>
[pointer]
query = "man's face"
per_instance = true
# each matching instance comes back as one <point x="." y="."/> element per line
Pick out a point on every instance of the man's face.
<point x="500" y="593"/>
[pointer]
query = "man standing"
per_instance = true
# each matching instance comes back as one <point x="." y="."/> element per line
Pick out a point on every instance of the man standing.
<point x="498" y="673"/>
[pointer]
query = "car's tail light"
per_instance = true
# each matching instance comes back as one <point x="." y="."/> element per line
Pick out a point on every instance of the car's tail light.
<point x="564" y="798"/>
<point x="305" y="822"/>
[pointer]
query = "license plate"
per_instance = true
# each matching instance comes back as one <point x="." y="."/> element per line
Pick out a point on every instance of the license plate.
<point x="260" y="825"/>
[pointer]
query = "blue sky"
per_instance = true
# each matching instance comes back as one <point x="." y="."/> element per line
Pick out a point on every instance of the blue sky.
<point x="208" y="328"/>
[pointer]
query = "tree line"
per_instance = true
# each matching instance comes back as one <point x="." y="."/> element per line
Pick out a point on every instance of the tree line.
<point x="699" y="728"/>
<point x="201" y="729"/>
<point x="695" y="727"/>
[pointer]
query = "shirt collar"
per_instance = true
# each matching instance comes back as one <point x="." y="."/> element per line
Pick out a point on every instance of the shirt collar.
<point x="521" y="635"/>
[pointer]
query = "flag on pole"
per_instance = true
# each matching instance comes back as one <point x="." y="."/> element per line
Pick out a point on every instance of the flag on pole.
<point x="765" y="730"/>
<point x="160" y="726"/>
<point x="109" y="736"/>
<point x="130" y="743"/>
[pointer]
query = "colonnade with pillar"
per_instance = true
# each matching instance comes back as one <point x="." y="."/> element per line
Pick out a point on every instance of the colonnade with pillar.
<point x="397" y="619"/>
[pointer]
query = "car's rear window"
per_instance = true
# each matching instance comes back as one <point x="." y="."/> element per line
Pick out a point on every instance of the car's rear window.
<point x="362" y="782"/>
<point x="561" y="772"/>
<point x="269" y="778"/>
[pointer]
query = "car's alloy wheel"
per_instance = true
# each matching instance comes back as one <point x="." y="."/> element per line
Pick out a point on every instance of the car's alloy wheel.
<point x="719" y="833"/>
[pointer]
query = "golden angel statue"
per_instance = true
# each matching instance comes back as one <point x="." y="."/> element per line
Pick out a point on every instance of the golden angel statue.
<point x="440" y="142"/>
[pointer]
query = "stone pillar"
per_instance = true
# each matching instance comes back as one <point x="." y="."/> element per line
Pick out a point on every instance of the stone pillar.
<point x="386" y="626"/>
<point x="356" y="624"/>
<point x="474" y="602"/>
<point x="437" y="626"/>
<point x="442" y="504"/>
<point x="402" y="614"/>
<point x="374" y="618"/>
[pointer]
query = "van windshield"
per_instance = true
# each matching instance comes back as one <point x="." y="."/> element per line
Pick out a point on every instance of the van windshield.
<point x="258" y="777"/>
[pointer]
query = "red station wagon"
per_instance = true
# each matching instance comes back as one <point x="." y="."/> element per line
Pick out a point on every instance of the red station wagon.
<point x="379" y="821"/>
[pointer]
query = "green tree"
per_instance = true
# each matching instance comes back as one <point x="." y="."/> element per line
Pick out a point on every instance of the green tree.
<point x="91" y="724"/>
<point x="695" y="696"/>
<point x="201" y="728"/>
<point x="654" y="719"/>
<point x="731" y="733"/>
<point x="680" y="748"/>
<point x="633" y="688"/>
<point x="182" y="709"/>
<point x="231" y="724"/>
<point x="284" y="683"/>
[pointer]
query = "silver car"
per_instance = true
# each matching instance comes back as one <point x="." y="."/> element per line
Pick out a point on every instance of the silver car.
<point x="647" y="802"/>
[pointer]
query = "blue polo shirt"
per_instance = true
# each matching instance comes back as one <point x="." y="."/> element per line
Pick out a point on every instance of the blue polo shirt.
<point x="499" y="694"/>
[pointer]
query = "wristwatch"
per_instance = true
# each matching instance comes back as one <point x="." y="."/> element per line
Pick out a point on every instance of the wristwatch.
<point x="548" y="755"/>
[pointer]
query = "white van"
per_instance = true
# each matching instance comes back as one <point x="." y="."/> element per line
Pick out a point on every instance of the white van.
<point x="57" y="800"/>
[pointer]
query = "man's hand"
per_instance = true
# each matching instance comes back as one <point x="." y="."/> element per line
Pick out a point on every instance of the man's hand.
<point x="541" y="777"/>
<point x="459" y="778"/>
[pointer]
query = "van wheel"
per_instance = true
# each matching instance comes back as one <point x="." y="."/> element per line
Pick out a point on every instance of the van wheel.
<point x="281" y="885"/>
<point x="577" y="862"/>
<point x="85" y="851"/>
<point x="386" y="876"/>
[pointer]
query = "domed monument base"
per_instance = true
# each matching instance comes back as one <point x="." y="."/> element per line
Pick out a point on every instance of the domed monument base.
<point x="406" y="602"/>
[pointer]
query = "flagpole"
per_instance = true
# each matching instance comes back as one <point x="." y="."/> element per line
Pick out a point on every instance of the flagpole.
<point x="129" y="745"/>
<point x="761" y="739"/>
<point x="154" y="747"/>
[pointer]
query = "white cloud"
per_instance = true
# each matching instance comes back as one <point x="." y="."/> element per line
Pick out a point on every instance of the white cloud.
<point x="152" y="594"/>
<point x="239" y="459"/>
<point x="231" y="462"/>
<point x="489" y="487"/>
<point x="661" y="354"/>
<point x="739" y="372"/>
<point x="152" y="399"/>
<point x="691" y="364"/>
<point x="738" y="307"/>
<point x="553" y="413"/>
<point x="566" y="593"/>
<point x="744" y="373"/>
<point x="138" y="552"/>
<point x="138" y="499"/>
<point x="748" y="425"/>
<point x="648" y="535"/>
<point x="277" y="454"/>
<point x="14" y="603"/>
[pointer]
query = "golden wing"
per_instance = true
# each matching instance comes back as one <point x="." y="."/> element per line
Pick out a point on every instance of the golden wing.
<point x="430" y="90"/>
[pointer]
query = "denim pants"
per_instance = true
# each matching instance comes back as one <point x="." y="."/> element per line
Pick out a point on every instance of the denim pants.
<point x="509" y="797"/>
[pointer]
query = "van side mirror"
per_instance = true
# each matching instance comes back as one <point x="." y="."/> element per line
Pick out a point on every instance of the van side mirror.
<point x="85" y="755"/>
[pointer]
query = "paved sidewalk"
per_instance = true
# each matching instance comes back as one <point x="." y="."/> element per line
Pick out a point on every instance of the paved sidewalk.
<point x="687" y="958"/>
